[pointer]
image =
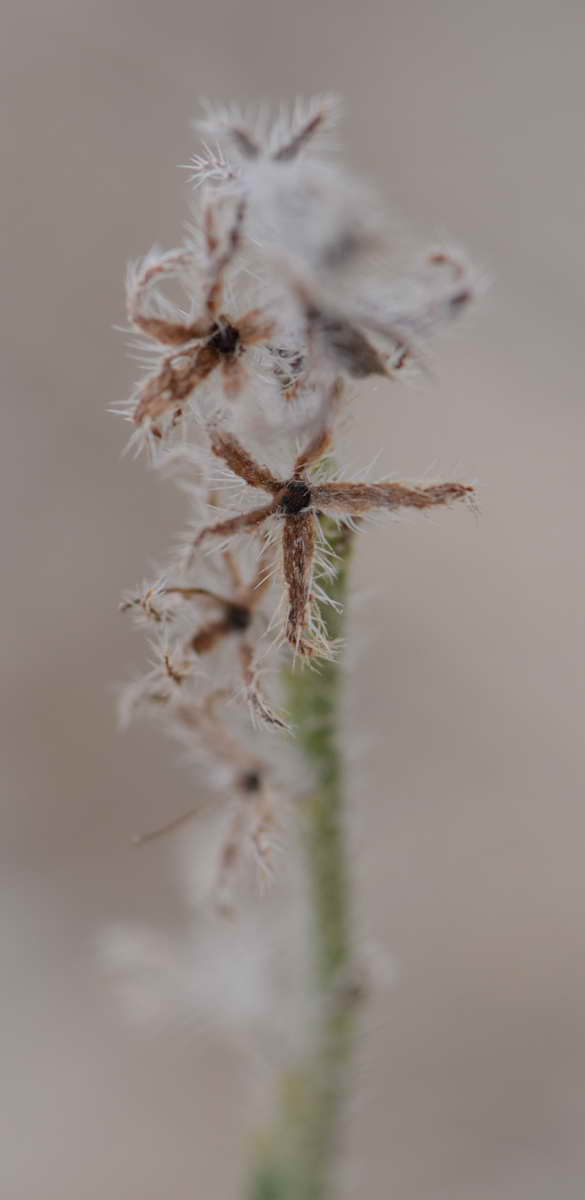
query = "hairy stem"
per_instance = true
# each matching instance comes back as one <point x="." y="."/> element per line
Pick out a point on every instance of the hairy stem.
<point x="295" y="1158"/>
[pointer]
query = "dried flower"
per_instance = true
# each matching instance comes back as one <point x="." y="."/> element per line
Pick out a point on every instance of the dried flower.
<point x="298" y="501"/>
<point x="214" y="339"/>
<point x="245" y="782"/>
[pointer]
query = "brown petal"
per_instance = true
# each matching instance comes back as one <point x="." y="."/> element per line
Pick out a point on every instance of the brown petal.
<point x="234" y="376"/>
<point x="255" y="327"/>
<point x="298" y="550"/>
<point x="254" y="695"/>
<point x="350" y="348"/>
<point x="224" y="445"/>
<point x="235" y="525"/>
<point x="354" y="499"/>
<point x="208" y="637"/>
<point x="171" y="333"/>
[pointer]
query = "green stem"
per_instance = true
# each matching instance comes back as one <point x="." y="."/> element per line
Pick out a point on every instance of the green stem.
<point x="295" y="1158"/>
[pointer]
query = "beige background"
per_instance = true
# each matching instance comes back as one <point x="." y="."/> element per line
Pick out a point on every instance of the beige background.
<point x="472" y="1069"/>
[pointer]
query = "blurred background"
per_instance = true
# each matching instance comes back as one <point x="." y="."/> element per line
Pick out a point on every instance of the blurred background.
<point x="469" y="682"/>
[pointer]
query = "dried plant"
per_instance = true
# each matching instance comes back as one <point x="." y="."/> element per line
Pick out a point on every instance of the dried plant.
<point x="301" y="250"/>
<point x="299" y="502"/>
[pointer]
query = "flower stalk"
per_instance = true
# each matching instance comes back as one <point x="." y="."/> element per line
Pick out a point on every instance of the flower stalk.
<point x="295" y="1160"/>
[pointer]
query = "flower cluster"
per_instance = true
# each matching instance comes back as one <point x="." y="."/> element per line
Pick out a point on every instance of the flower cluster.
<point x="292" y="288"/>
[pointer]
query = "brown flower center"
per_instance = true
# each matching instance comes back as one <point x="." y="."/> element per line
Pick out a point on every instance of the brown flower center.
<point x="296" y="497"/>
<point x="238" y="617"/>
<point x="224" y="339"/>
<point x="250" y="781"/>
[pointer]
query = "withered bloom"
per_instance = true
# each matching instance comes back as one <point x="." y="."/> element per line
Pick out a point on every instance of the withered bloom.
<point x="233" y="617"/>
<point x="249" y="785"/>
<point x="215" y="339"/>
<point x="297" y="502"/>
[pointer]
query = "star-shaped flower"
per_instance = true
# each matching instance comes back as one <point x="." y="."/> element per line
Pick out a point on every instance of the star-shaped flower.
<point x="298" y="502"/>
<point x="215" y="339"/>
<point x="233" y="616"/>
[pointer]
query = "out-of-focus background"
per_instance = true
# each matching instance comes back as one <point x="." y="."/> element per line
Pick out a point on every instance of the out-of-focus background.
<point x="470" y="681"/>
